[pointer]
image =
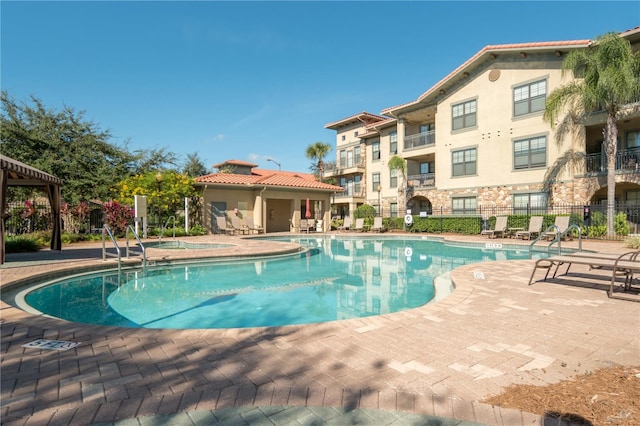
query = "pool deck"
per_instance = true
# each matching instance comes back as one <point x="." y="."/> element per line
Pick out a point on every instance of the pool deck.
<point x="429" y="364"/>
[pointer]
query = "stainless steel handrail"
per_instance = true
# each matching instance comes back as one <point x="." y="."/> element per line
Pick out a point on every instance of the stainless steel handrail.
<point x="142" y="251"/>
<point x="107" y="231"/>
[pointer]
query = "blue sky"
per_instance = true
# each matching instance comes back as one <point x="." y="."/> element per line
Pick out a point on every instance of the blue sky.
<point x="256" y="80"/>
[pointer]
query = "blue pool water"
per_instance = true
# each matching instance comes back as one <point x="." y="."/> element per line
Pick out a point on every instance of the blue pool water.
<point x="335" y="279"/>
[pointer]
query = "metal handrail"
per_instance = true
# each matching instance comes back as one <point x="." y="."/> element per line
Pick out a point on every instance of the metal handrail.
<point x="107" y="231"/>
<point x="558" y="237"/>
<point x="165" y="227"/>
<point x="142" y="251"/>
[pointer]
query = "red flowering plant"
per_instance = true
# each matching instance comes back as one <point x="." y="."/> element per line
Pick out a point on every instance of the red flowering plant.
<point x="117" y="217"/>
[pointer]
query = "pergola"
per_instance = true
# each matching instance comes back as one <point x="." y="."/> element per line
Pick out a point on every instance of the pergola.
<point x="15" y="173"/>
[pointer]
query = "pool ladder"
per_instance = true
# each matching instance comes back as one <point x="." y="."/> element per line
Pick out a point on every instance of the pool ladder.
<point x="107" y="232"/>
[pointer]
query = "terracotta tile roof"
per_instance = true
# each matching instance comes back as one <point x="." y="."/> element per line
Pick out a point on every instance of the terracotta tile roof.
<point x="234" y="163"/>
<point x="261" y="177"/>
<point x="487" y="50"/>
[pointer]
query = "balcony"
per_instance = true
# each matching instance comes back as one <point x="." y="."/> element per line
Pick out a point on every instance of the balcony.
<point x="344" y="168"/>
<point x="626" y="161"/>
<point x="424" y="180"/>
<point x="348" y="194"/>
<point x="420" y="140"/>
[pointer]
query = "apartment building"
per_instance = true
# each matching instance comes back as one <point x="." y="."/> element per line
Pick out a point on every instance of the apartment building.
<point x="477" y="140"/>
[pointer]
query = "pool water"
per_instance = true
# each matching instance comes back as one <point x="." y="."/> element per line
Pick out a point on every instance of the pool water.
<point x="336" y="278"/>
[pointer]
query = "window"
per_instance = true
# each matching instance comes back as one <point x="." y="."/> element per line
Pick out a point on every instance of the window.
<point x="343" y="158"/>
<point x="464" y="162"/>
<point x="375" y="181"/>
<point x="375" y="149"/>
<point x="350" y="158"/>
<point x="355" y="134"/>
<point x="344" y="137"/>
<point x="633" y="198"/>
<point x="530" y="203"/>
<point x="464" y="115"/>
<point x="393" y="142"/>
<point x="394" y="209"/>
<point x="356" y="186"/>
<point x="530" y="153"/>
<point x="426" y="168"/>
<point x="633" y="140"/>
<point x="393" y="180"/>
<point x="356" y="155"/>
<point x="464" y="205"/>
<point x="529" y="98"/>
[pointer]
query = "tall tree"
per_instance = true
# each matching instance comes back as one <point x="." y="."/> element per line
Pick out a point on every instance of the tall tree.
<point x="397" y="164"/>
<point x="63" y="144"/>
<point x="316" y="152"/>
<point x="194" y="166"/>
<point x="607" y="79"/>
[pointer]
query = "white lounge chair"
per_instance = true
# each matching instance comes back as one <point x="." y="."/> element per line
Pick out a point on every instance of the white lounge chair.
<point x="499" y="228"/>
<point x="359" y="225"/>
<point x="377" y="224"/>
<point x="535" y="228"/>
<point x="346" y="224"/>
<point x="560" y="229"/>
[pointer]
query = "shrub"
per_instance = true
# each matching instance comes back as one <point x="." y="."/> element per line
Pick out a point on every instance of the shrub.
<point x="632" y="242"/>
<point x="197" y="230"/>
<point x="118" y="217"/>
<point x="21" y="244"/>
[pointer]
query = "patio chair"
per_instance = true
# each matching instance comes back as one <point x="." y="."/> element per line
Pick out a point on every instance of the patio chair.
<point x="307" y="225"/>
<point x="346" y="225"/>
<point x="499" y="228"/>
<point x="377" y="224"/>
<point x="252" y="226"/>
<point x="559" y="230"/>
<point x="359" y="225"/>
<point x="221" y="222"/>
<point x="535" y="228"/>
<point x="237" y="226"/>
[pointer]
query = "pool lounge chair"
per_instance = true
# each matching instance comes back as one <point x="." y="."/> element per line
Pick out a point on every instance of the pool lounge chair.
<point x="620" y="265"/>
<point x="559" y="230"/>
<point x="377" y="224"/>
<point x="252" y="227"/>
<point x="237" y="225"/>
<point x="221" y="222"/>
<point x="498" y="230"/>
<point x="346" y="224"/>
<point x="535" y="228"/>
<point x="359" y="225"/>
<point x="307" y="225"/>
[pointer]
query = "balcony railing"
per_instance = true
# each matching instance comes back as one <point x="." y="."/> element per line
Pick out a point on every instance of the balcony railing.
<point x="338" y="167"/>
<point x="350" y="194"/>
<point x="420" y="139"/>
<point x="626" y="160"/>
<point x="423" y="180"/>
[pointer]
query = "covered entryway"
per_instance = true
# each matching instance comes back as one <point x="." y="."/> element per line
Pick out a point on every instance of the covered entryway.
<point x="15" y="173"/>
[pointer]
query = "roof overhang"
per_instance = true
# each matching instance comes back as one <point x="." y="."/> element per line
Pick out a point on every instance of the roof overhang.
<point x="20" y="174"/>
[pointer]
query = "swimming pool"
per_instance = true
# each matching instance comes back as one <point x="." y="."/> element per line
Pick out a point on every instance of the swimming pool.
<point x="335" y="278"/>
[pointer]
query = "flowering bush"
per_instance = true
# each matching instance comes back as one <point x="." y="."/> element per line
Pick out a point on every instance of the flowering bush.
<point x="118" y="217"/>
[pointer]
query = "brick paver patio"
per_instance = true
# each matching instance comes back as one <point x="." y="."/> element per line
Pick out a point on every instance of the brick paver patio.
<point x="438" y="360"/>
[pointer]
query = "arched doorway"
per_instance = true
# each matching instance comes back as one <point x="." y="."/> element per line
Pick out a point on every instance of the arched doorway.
<point x="419" y="204"/>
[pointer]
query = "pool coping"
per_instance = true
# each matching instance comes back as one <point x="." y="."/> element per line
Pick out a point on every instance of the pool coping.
<point x="19" y="327"/>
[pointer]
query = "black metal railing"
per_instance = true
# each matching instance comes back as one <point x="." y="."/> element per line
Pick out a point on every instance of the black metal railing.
<point x="626" y="160"/>
<point x="420" y="139"/>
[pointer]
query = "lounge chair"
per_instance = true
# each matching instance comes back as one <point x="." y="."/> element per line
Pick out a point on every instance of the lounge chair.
<point x="346" y="224"/>
<point x="221" y="222"/>
<point x="359" y="225"/>
<point x="307" y="225"/>
<point x="498" y="230"/>
<point x="377" y="224"/>
<point x="252" y="226"/>
<point x="561" y="226"/>
<point x="237" y="225"/>
<point x="625" y="264"/>
<point x="535" y="228"/>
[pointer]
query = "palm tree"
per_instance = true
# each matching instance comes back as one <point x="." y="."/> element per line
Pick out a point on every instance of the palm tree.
<point x="317" y="152"/>
<point x="607" y="79"/>
<point x="397" y="163"/>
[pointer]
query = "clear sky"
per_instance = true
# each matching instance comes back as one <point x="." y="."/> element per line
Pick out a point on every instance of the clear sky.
<point x="256" y="80"/>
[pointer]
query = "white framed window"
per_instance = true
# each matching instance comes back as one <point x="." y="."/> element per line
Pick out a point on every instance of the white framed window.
<point x="529" y="98"/>
<point x="531" y="202"/>
<point x="464" y="115"/>
<point x="464" y="205"/>
<point x="393" y="142"/>
<point x="530" y="153"/>
<point x="343" y="158"/>
<point x="375" y="150"/>
<point x="375" y="181"/>
<point x="393" y="209"/>
<point x="393" y="178"/>
<point x="356" y="155"/>
<point x="464" y="162"/>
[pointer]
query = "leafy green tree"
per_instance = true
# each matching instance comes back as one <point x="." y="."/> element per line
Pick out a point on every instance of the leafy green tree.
<point x="64" y="144"/>
<point x="194" y="166"/>
<point x="153" y="160"/>
<point x="607" y="79"/>
<point x="165" y="192"/>
<point x="398" y="164"/>
<point x="316" y="152"/>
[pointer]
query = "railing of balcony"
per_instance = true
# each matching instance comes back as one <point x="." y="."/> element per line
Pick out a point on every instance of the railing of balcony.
<point x="356" y="193"/>
<point x="626" y="160"/>
<point x="422" y="180"/>
<point x="337" y="167"/>
<point x="420" y="139"/>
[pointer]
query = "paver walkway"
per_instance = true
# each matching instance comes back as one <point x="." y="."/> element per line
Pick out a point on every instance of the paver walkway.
<point x="429" y="365"/>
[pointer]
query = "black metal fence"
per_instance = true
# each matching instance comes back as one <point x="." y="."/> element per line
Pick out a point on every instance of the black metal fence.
<point x="35" y="215"/>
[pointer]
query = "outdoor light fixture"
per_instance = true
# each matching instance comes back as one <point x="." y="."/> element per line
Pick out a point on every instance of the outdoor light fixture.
<point x="274" y="161"/>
